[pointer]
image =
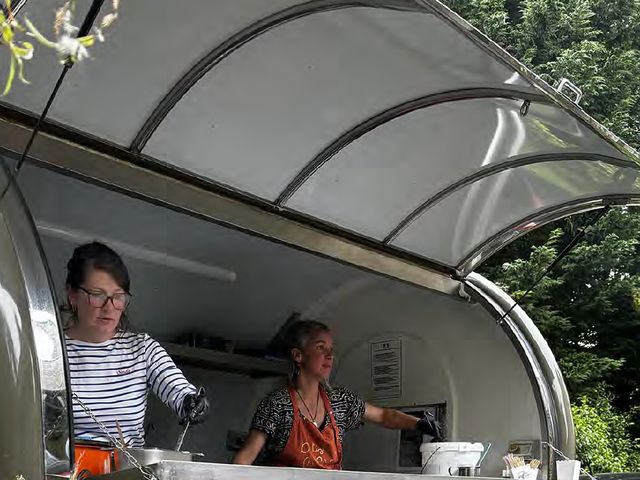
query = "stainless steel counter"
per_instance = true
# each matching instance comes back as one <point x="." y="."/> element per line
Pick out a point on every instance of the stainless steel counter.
<point x="171" y="470"/>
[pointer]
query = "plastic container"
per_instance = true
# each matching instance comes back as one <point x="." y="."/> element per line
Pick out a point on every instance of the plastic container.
<point x="438" y="458"/>
<point x="568" y="469"/>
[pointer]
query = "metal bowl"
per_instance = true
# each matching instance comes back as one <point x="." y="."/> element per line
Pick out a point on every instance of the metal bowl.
<point x="149" y="456"/>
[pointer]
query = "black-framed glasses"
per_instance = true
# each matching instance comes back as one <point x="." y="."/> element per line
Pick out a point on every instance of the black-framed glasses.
<point x="100" y="299"/>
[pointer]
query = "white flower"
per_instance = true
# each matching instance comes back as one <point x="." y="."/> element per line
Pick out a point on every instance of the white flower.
<point x="70" y="47"/>
<point x="98" y="34"/>
<point x="63" y="22"/>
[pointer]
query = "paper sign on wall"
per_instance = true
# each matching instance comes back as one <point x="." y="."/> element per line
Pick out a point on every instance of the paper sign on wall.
<point x="386" y="368"/>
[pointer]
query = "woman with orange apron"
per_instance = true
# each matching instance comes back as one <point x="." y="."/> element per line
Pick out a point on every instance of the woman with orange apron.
<point x="307" y="445"/>
<point x="303" y="424"/>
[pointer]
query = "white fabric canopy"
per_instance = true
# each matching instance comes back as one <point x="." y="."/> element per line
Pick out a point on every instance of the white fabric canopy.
<point x="393" y="121"/>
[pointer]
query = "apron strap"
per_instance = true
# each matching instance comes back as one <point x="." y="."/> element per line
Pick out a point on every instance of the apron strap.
<point x="332" y="419"/>
<point x="294" y="402"/>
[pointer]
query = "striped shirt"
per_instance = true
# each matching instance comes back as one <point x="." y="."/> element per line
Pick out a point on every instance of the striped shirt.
<point x="112" y="377"/>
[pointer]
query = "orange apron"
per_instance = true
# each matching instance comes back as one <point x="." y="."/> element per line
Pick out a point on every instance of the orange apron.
<point x="309" y="447"/>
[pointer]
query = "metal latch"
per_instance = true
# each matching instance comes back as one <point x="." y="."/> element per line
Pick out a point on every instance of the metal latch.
<point x="566" y="84"/>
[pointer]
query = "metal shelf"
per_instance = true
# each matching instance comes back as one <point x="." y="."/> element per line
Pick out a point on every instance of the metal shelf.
<point x="226" y="362"/>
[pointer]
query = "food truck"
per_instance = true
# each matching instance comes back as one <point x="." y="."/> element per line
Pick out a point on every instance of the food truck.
<point x="348" y="161"/>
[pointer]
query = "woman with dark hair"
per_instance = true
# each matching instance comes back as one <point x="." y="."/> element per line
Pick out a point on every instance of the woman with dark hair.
<point x="303" y="425"/>
<point x="111" y="367"/>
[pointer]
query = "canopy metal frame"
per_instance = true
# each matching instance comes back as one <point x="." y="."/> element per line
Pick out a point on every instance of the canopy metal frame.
<point x="91" y="160"/>
<point x="462" y="269"/>
<point x="539" y="92"/>
<point x="550" y="214"/>
<point x="501" y="166"/>
<point x="218" y="53"/>
<point x="405" y="108"/>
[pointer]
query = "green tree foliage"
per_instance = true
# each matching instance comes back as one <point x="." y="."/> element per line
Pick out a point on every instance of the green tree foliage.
<point x="588" y="308"/>
<point x="603" y="441"/>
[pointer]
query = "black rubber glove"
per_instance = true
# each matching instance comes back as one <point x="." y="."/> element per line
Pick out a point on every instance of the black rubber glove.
<point x="195" y="408"/>
<point x="428" y="425"/>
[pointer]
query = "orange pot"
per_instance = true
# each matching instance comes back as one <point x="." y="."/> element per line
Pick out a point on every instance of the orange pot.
<point x="94" y="458"/>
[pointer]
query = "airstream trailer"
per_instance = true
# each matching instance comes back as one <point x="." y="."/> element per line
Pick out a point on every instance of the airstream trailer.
<point x="350" y="161"/>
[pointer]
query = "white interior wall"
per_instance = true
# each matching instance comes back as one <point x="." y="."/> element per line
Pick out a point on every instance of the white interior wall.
<point x="452" y="351"/>
<point x="471" y="365"/>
